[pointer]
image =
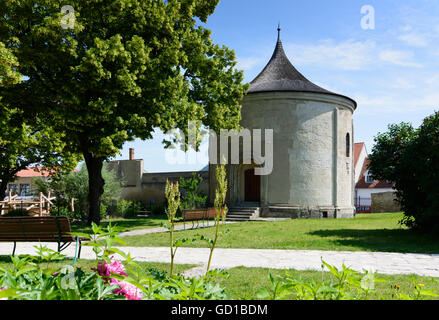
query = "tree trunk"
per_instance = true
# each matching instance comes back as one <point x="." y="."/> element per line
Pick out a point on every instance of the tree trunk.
<point x="95" y="186"/>
<point x="3" y="189"/>
<point x="7" y="175"/>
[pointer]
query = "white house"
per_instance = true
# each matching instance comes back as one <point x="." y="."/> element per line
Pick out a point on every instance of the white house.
<point x="365" y="186"/>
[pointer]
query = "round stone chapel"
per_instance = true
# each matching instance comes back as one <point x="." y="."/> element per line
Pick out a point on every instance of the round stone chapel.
<point x="312" y="171"/>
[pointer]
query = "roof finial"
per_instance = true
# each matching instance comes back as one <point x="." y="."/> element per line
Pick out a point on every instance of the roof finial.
<point x="278" y="31"/>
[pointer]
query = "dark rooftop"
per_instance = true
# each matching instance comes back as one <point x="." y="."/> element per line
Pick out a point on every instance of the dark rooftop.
<point x="280" y="75"/>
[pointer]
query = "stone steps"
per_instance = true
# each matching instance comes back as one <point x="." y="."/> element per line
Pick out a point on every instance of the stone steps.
<point x="241" y="214"/>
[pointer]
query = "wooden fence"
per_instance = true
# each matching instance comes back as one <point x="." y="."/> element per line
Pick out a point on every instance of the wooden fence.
<point x="40" y="207"/>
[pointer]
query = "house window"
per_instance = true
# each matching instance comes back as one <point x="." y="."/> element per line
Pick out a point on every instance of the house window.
<point x="13" y="188"/>
<point x="369" y="178"/>
<point x="348" y="145"/>
<point x="24" y="189"/>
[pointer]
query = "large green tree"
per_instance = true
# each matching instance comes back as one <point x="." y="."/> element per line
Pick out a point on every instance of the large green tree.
<point x="24" y="140"/>
<point x="8" y="76"/>
<point x="410" y="158"/>
<point x="8" y="66"/>
<point x="30" y="143"/>
<point x="119" y="70"/>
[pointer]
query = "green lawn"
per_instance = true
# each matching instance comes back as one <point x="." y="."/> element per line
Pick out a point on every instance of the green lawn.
<point x="366" y="232"/>
<point x="129" y="224"/>
<point x="254" y="279"/>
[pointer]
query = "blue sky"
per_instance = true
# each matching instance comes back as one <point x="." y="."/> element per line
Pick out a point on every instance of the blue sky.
<point x="392" y="71"/>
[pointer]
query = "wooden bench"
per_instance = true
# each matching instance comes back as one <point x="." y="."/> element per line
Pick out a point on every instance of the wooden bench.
<point x="38" y="229"/>
<point x="197" y="216"/>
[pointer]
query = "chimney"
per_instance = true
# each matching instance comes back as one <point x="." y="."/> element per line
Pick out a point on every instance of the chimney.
<point x="131" y="153"/>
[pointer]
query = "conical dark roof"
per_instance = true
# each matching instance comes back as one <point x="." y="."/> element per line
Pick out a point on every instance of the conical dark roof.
<point x="280" y="75"/>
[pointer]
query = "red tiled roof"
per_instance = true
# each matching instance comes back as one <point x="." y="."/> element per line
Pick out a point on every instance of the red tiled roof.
<point x="362" y="184"/>
<point x="33" y="172"/>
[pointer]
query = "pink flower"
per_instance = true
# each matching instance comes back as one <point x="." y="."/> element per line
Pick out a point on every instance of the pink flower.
<point x="130" y="291"/>
<point x="107" y="269"/>
<point x="116" y="267"/>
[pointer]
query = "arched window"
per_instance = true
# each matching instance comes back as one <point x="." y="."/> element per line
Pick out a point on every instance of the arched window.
<point x="348" y="145"/>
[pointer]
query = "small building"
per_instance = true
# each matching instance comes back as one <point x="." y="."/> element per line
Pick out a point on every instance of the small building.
<point x="24" y="184"/>
<point x="366" y="186"/>
<point x="149" y="188"/>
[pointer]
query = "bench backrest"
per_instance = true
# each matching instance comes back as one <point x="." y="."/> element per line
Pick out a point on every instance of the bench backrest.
<point x="34" y="228"/>
<point x="206" y="214"/>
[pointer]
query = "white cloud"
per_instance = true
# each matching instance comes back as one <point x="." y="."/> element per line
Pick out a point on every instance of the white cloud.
<point x="433" y="80"/>
<point x="413" y="39"/>
<point x="430" y="100"/>
<point x="248" y="63"/>
<point x="347" y="55"/>
<point x="401" y="83"/>
<point x="399" y="58"/>
<point x="406" y="28"/>
<point x="396" y="103"/>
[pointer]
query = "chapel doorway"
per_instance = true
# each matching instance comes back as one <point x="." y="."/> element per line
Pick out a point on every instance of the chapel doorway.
<point x="252" y="186"/>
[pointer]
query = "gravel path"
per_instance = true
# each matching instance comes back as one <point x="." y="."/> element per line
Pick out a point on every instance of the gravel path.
<point x="179" y="227"/>
<point x="385" y="263"/>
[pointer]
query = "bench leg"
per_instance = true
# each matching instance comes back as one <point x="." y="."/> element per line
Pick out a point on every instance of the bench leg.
<point x="80" y="247"/>
<point x="63" y="246"/>
<point x="15" y="245"/>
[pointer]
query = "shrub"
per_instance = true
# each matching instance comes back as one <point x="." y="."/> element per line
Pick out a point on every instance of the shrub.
<point x="61" y="211"/>
<point x="27" y="279"/>
<point x="103" y="210"/>
<point x="410" y="158"/>
<point x="191" y="197"/>
<point x="158" y="210"/>
<point x="127" y="209"/>
<point x="120" y="208"/>
<point x="344" y="284"/>
<point x="133" y="209"/>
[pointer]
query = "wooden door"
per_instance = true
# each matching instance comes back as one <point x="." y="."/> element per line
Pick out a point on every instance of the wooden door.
<point x="252" y="186"/>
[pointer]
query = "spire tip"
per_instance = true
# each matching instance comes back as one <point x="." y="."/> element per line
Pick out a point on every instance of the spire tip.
<point x="278" y="31"/>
